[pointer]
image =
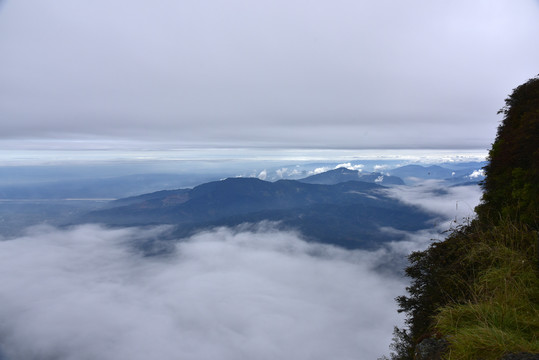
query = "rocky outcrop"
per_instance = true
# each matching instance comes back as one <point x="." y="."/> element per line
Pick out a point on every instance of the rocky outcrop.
<point x="431" y="349"/>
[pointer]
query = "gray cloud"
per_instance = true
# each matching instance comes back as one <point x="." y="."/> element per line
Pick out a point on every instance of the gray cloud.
<point x="249" y="293"/>
<point x="451" y="203"/>
<point x="348" y="74"/>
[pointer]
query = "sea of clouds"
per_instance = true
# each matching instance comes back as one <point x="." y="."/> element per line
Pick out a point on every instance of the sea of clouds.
<point x="452" y="204"/>
<point x="87" y="293"/>
<point x="251" y="292"/>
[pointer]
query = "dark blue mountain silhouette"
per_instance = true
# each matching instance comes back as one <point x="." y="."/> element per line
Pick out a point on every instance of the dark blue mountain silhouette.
<point x="348" y="214"/>
<point x="343" y="174"/>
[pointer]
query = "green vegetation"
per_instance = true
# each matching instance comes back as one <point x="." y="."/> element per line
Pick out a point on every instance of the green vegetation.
<point x="501" y="313"/>
<point x="479" y="288"/>
<point x="511" y="187"/>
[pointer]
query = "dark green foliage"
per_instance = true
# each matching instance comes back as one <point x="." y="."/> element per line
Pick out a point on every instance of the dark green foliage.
<point x="439" y="276"/>
<point x="401" y="345"/>
<point x="449" y="275"/>
<point x="512" y="175"/>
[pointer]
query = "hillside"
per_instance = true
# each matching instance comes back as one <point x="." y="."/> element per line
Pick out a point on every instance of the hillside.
<point x="475" y="295"/>
<point x="347" y="214"/>
<point x="340" y="175"/>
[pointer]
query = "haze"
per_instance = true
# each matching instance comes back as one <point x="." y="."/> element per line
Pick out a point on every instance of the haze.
<point x="279" y="74"/>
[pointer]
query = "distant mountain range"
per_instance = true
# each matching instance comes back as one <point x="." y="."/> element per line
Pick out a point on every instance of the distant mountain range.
<point x="455" y="175"/>
<point x="23" y="185"/>
<point x="321" y="206"/>
<point x="340" y="175"/>
<point x="348" y="214"/>
<point x="340" y="206"/>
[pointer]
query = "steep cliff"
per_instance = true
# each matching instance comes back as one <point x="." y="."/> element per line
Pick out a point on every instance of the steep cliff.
<point x="478" y="290"/>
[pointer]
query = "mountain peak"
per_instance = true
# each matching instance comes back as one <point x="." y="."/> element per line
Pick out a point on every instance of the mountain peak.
<point x="341" y="175"/>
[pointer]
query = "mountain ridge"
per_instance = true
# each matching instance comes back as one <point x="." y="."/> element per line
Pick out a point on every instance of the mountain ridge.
<point x="335" y="214"/>
<point x="342" y="174"/>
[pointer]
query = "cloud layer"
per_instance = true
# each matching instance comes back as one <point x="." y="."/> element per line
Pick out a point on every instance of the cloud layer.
<point x="341" y="74"/>
<point x="450" y="203"/>
<point x="87" y="293"/>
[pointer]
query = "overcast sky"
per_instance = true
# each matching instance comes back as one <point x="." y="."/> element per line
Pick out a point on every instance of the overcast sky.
<point x="319" y="74"/>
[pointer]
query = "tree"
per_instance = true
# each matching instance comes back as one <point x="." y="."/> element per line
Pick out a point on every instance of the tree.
<point x="512" y="175"/>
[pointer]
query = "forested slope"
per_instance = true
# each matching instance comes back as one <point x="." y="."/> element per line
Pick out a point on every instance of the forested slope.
<point x="475" y="295"/>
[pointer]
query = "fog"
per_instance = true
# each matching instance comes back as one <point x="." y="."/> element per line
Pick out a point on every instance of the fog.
<point x="454" y="204"/>
<point x="250" y="292"/>
<point x="245" y="293"/>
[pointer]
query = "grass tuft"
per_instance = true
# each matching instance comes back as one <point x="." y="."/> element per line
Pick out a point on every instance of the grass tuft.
<point x="502" y="314"/>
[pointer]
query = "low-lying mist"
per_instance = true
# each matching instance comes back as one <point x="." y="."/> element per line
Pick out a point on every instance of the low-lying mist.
<point x="258" y="293"/>
<point x="250" y="292"/>
<point x="451" y="204"/>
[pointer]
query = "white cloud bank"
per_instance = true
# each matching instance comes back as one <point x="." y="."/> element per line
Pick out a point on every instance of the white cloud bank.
<point x="85" y="293"/>
<point x="350" y="166"/>
<point x="450" y="203"/>
<point x="477" y="173"/>
<point x="263" y="175"/>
